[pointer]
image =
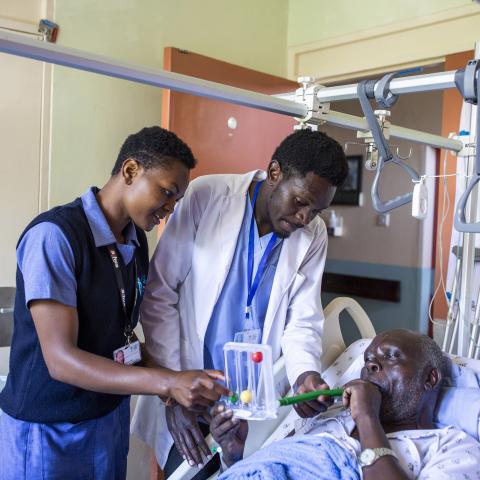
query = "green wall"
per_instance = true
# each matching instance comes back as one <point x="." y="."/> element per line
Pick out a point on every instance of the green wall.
<point x="92" y="114"/>
<point x="316" y="20"/>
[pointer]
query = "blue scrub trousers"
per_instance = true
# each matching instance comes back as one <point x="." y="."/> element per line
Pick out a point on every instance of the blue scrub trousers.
<point x="90" y="450"/>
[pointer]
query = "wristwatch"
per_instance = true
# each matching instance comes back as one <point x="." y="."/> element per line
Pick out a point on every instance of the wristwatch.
<point x="370" y="455"/>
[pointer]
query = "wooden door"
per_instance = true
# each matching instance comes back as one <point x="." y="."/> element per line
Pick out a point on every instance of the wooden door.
<point x="203" y="123"/>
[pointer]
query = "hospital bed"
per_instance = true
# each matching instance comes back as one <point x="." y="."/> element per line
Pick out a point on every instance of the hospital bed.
<point x="342" y="364"/>
<point x="333" y="346"/>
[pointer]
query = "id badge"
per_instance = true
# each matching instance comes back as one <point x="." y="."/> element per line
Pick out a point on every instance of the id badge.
<point x="129" y="354"/>
<point x="248" y="336"/>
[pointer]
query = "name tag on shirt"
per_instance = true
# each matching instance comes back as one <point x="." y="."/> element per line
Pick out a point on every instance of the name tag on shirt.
<point x="129" y="354"/>
<point x="248" y="336"/>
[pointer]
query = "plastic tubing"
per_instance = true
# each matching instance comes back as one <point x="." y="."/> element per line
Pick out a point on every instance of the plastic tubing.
<point x="304" y="397"/>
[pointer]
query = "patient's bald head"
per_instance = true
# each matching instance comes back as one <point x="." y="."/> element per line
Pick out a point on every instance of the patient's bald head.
<point x="407" y="367"/>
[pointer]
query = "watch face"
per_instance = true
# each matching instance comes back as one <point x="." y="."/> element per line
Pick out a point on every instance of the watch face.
<point x="367" y="456"/>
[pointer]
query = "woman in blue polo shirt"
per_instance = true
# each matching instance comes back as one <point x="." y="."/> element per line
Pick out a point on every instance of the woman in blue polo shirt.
<point x="81" y="271"/>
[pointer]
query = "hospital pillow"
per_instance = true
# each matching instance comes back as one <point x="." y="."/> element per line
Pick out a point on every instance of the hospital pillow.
<point x="459" y="402"/>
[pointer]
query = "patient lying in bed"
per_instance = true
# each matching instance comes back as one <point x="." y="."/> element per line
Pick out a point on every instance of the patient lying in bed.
<point x="383" y="430"/>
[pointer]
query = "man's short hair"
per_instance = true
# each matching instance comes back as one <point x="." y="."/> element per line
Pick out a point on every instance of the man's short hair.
<point x="154" y="147"/>
<point x="306" y="151"/>
<point x="431" y="354"/>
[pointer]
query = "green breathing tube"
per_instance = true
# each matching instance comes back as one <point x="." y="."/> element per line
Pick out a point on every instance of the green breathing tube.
<point x="304" y="397"/>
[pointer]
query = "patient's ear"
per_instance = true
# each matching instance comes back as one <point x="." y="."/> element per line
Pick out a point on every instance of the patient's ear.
<point x="433" y="379"/>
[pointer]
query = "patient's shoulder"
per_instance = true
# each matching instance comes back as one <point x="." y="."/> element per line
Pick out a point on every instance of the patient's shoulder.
<point x="444" y="434"/>
<point x="446" y="452"/>
<point x="456" y="451"/>
<point x="454" y="435"/>
<point x="449" y="440"/>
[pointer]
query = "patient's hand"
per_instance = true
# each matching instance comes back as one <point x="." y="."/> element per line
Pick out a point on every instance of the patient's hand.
<point x="363" y="398"/>
<point x="308" y="382"/>
<point x="229" y="432"/>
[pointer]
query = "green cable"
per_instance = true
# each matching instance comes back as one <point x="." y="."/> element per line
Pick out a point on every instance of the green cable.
<point x="303" y="397"/>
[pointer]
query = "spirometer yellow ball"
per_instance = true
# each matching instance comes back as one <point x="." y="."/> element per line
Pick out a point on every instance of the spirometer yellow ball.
<point x="246" y="396"/>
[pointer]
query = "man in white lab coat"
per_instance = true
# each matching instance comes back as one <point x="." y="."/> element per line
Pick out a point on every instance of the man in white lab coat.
<point x="242" y="257"/>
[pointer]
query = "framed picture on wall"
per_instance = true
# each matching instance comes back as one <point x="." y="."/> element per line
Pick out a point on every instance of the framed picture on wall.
<point x="350" y="193"/>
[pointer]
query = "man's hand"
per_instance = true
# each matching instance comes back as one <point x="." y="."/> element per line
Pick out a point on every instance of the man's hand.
<point x="229" y="432"/>
<point x="363" y="398"/>
<point x="188" y="438"/>
<point x="197" y="389"/>
<point x="308" y="382"/>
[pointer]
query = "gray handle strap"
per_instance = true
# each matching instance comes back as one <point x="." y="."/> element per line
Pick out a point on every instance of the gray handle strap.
<point x="384" y="153"/>
<point x="471" y="89"/>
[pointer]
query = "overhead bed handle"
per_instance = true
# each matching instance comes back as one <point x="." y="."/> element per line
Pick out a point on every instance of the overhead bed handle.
<point x="385" y="99"/>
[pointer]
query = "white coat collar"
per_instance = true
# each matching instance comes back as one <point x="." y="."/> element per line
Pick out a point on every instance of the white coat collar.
<point x="240" y="184"/>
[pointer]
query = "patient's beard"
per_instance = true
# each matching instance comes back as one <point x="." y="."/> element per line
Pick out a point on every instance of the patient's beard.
<point x="401" y="405"/>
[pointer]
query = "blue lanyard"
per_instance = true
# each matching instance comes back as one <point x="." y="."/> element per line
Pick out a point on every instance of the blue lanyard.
<point x="252" y="287"/>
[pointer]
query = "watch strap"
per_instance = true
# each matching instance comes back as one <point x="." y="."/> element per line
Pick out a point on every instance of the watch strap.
<point x="379" y="453"/>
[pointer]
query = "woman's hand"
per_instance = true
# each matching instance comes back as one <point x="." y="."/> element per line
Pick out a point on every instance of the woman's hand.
<point x="196" y="389"/>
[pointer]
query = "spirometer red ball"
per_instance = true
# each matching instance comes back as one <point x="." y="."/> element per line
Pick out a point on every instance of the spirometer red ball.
<point x="257" y="357"/>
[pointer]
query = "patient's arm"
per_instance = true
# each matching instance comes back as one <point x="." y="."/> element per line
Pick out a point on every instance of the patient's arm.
<point x="229" y="432"/>
<point x="364" y="400"/>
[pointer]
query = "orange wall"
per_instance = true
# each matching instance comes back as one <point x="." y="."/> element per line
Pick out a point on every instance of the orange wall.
<point x="452" y="106"/>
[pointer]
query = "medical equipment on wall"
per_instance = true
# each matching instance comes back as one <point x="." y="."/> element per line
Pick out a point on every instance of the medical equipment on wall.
<point x="420" y="200"/>
<point x="249" y="375"/>
<point x="310" y="105"/>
